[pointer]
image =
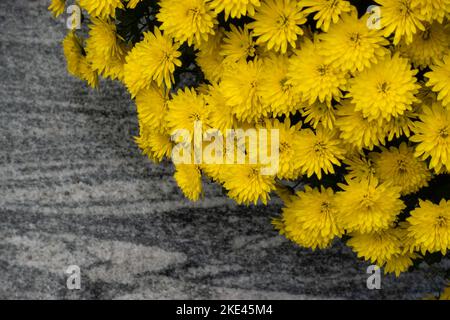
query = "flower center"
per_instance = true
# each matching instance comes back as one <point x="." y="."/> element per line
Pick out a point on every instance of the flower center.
<point x="325" y="207"/>
<point x="402" y="166"/>
<point x="355" y="38"/>
<point x="284" y="146"/>
<point x="384" y="87"/>
<point x="322" y="70"/>
<point x="443" y="133"/>
<point x="441" y="221"/>
<point x="320" y="148"/>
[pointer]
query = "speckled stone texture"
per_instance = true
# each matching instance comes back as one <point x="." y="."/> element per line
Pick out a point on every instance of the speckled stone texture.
<point x="74" y="189"/>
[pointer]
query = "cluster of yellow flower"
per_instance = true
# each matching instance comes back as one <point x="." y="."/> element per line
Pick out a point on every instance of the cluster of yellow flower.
<point x="361" y="99"/>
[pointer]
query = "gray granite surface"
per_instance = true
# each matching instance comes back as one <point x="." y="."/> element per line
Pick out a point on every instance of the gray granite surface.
<point x="75" y="190"/>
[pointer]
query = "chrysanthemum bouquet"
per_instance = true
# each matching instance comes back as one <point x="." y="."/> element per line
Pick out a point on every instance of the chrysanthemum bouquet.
<point x="358" y="93"/>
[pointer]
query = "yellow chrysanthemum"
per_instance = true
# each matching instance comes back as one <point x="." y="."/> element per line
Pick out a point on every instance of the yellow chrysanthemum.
<point x="359" y="168"/>
<point x="432" y="133"/>
<point x="400" y="126"/>
<point x="189" y="179"/>
<point x="246" y="184"/>
<point x="318" y="152"/>
<point x="320" y="114"/>
<point x="238" y="45"/>
<point x="399" y="263"/>
<point x="57" y="7"/>
<point x="313" y="78"/>
<point x="351" y="46"/>
<point x="73" y="51"/>
<point x="277" y="24"/>
<point x="87" y="73"/>
<point x="377" y="247"/>
<point x="77" y="64"/>
<point x="357" y="130"/>
<point x="151" y="107"/>
<point x="310" y="218"/>
<point x="242" y="92"/>
<point x="430" y="226"/>
<point x="432" y="9"/>
<point x="368" y="206"/>
<point x="275" y="90"/>
<point x="428" y="47"/>
<point x="156" y="145"/>
<point x="401" y="168"/>
<point x="152" y="59"/>
<point x="327" y="11"/>
<point x="184" y="109"/>
<point x="289" y="142"/>
<point x="221" y="114"/>
<point x="101" y="8"/>
<point x="439" y="80"/>
<point x="104" y="50"/>
<point x="207" y="58"/>
<point x="235" y="8"/>
<point x="401" y="18"/>
<point x="385" y="90"/>
<point x="190" y="21"/>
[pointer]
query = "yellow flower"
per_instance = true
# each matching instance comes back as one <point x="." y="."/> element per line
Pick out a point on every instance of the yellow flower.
<point x="368" y="206"/>
<point x="235" y="8"/>
<point x="402" y="18"/>
<point x="401" y="168"/>
<point x="77" y="64"/>
<point x="207" y="58"/>
<point x="152" y="59"/>
<point x="430" y="226"/>
<point x="377" y="247"/>
<point x="73" y="51"/>
<point x="87" y="73"/>
<point x="399" y="263"/>
<point x="189" y="179"/>
<point x="186" y="107"/>
<point x="57" y="7"/>
<point x="318" y="152"/>
<point x="351" y="46"/>
<point x="221" y="114"/>
<point x="188" y="20"/>
<point x="310" y="218"/>
<point x="320" y="114"/>
<point x="357" y="130"/>
<point x="400" y="126"/>
<point x="101" y="8"/>
<point x="289" y="147"/>
<point x="439" y="80"/>
<point x="246" y="184"/>
<point x="156" y="145"/>
<point x="242" y="92"/>
<point x="428" y="47"/>
<point x="385" y="90"/>
<point x="327" y="11"/>
<point x="104" y="50"/>
<point x="313" y="78"/>
<point x="432" y="133"/>
<point x="238" y="45"/>
<point x="432" y="9"/>
<point x="275" y="90"/>
<point x="277" y="24"/>
<point x="359" y="168"/>
<point x="151" y="107"/>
